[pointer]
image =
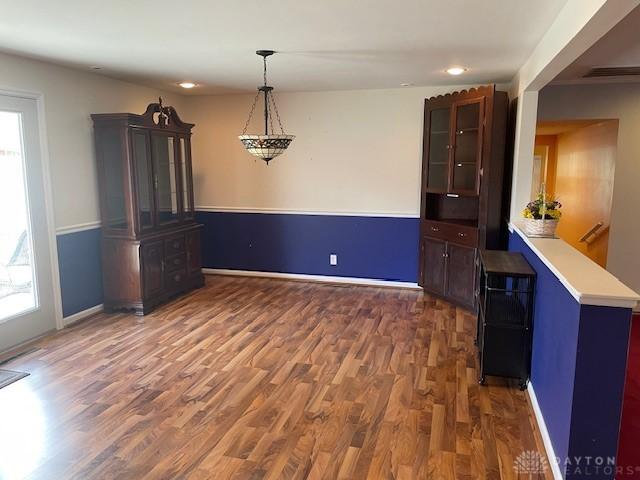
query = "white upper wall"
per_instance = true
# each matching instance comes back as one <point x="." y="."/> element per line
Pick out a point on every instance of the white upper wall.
<point x="356" y="151"/>
<point x="70" y="97"/>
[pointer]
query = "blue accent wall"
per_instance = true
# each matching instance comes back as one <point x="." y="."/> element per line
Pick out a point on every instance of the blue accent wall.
<point x="599" y="382"/>
<point x="384" y="248"/>
<point x="555" y="343"/>
<point x="577" y="370"/>
<point x="79" y="260"/>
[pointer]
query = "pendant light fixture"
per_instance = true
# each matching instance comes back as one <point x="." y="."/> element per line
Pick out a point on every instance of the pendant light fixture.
<point x="269" y="145"/>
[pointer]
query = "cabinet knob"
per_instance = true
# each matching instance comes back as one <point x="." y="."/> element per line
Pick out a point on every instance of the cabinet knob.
<point x="462" y="235"/>
<point x="435" y="229"/>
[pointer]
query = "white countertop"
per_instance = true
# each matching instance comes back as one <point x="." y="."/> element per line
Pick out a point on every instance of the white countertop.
<point x="588" y="282"/>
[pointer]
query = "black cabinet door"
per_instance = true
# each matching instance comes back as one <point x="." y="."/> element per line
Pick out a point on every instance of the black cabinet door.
<point x="461" y="273"/>
<point x="467" y="146"/>
<point x="143" y="179"/>
<point x="152" y="268"/>
<point x="165" y="171"/>
<point x="435" y="251"/>
<point x="437" y="149"/>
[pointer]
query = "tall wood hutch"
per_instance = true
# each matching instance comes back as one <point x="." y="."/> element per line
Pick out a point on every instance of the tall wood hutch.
<point x="150" y="239"/>
<point x="462" y="179"/>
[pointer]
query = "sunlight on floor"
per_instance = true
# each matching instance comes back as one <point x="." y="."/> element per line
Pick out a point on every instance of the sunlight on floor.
<point x="23" y="426"/>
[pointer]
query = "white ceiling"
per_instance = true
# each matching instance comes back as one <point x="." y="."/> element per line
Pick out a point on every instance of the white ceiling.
<point x="620" y="47"/>
<point x="323" y="44"/>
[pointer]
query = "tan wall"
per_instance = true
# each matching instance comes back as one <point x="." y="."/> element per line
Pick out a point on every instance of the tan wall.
<point x="584" y="184"/>
<point x="355" y="152"/>
<point x="70" y="96"/>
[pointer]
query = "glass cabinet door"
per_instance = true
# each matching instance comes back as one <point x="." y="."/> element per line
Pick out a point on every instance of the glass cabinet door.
<point x="163" y="152"/>
<point x="438" y="154"/>
<point x="185" y="178"/>
<point x="143" y="179"/>
<point x="467" y="146"/>
<point x="109" y="143"/>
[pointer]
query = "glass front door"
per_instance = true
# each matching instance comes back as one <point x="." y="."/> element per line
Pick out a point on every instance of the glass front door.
<point x="17" y="292"/>
<point x="26" y="288"/>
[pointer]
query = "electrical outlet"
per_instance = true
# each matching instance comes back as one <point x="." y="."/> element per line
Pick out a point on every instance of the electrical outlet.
<point x="333" y="259"/>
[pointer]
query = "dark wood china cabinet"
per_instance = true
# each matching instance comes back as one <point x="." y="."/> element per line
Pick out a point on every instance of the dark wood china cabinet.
<point x="461" y="199"/>
<point x="150" y="239"/>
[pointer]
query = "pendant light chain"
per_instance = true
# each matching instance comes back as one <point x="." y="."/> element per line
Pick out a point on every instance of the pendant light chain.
<point x="275" y="109"/>
<point x="267" y="94"/>
<point x="271" y="104"/>
<point x="270" y="115"/>
<point x="253" y="107"/>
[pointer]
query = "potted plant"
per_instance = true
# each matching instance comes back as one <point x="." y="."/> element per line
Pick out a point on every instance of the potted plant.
<point x="541" y="216"/>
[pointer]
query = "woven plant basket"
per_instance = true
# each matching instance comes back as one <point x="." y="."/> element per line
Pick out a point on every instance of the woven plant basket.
<point x="540" y="228"/>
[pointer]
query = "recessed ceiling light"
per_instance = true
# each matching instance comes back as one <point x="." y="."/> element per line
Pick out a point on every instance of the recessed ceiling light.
<point x="406" y="84"/>
<point x="187" y="85"/>
<point x="455" y="70"/>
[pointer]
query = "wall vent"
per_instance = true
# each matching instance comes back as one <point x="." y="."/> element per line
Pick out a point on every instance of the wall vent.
<point x="612" y="72"/>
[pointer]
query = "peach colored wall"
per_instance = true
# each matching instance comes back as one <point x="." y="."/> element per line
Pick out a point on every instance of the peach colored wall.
<point x="586" y="160"/>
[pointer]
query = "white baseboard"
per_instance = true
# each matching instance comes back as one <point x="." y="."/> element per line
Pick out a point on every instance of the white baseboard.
<point x="81" y="315"/>
<point x="544" y="433"/>
<point x="312" y="278"/>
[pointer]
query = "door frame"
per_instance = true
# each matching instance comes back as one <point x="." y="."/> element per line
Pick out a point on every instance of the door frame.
<point x="48" y="194"/>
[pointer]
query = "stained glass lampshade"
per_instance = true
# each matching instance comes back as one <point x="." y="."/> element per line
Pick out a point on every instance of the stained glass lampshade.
<point x="266" y="147"/>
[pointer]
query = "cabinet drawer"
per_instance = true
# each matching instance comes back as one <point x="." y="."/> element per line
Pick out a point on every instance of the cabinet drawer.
<point x="176" y="262"/>
<point x="174" y="245"/>
<point x="175" y="280"/>
<point x="451" y="232"/>
<point x="464" y="235"/>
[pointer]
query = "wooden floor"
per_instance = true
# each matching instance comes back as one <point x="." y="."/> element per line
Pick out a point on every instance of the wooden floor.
<point x="260" y="378"/>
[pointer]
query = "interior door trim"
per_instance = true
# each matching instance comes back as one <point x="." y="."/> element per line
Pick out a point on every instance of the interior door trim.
<point x="48" y="195"/>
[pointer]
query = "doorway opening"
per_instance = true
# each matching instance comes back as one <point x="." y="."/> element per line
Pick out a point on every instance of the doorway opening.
<point x="575" y="161"/>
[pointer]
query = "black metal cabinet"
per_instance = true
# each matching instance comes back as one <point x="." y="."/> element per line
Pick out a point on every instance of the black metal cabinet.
<point x="505" y="291"/>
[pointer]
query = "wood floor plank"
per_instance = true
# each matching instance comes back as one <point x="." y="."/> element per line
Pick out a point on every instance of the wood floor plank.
<point x="261" y="379"/>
